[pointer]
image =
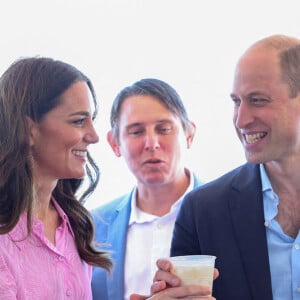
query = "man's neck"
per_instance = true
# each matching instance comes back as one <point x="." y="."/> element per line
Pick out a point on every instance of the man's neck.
<point x="158" y="200"/>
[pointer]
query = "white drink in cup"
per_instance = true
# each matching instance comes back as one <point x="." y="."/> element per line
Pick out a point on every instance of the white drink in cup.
<point x="194" y="269"/>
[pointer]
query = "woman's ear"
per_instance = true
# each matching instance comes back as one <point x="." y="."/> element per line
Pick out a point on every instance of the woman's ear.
<point x="113" y="143"/>
<point x="190" y="133"/>
<point x="33" y="129"/>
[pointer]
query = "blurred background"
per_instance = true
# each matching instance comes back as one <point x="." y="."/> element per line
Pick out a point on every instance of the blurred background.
<point x="191" y="44"/>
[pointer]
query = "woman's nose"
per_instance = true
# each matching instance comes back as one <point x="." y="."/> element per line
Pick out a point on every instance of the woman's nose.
<point x="92" y="136"/>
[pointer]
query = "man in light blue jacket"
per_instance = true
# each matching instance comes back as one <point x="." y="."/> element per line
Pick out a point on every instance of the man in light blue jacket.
<point x="150" y="128"/>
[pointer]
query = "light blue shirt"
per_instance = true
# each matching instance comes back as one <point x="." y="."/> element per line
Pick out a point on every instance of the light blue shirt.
<point x="284" y="251"/>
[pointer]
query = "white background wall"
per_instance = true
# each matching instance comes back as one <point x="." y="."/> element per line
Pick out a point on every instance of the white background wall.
<point x="191" y="44"/>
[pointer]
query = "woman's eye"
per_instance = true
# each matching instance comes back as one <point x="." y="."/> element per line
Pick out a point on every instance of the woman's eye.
<point x="78" y="122"/>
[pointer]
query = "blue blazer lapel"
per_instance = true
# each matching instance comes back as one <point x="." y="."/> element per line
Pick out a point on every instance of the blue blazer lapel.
<point x="111" y="223"/>
<point x="116" y="235"/>
<point x="246" y="207"/>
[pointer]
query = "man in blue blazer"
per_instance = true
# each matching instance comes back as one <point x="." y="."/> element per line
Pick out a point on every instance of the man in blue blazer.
<point x="151" y="130"/>
<point x="250" y="217"/>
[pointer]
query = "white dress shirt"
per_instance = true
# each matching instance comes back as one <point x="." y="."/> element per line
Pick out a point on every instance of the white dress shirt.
<point x="148" y="238"/>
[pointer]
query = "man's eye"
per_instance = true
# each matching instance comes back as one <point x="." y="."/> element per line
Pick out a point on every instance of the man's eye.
<point x="165" y="130"/>
<point x="236" y="101"/>
<point x="135" y="132"/>
<point x="257" y="100"/>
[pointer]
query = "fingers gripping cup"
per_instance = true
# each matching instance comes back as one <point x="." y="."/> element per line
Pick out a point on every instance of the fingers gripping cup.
<point x="194" y="269"/>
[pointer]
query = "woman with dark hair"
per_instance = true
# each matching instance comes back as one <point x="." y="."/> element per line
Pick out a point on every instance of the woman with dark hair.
<point x="47" y="108"/>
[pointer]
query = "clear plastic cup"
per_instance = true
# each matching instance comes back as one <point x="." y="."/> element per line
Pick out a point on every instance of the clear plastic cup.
<point x="194" y="269"/>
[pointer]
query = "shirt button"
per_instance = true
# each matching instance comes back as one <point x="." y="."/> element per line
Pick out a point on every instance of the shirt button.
<point x="298" y="289"/>
<point x="68" y="293"/>
<point x="266" y="223"/>
<point x="60" y="258"/>
<point x="159" y="226"/>
<point x="296" y="246"/>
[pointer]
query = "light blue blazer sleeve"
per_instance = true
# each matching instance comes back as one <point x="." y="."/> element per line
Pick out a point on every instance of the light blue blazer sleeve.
<point x="111" y="224"/>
